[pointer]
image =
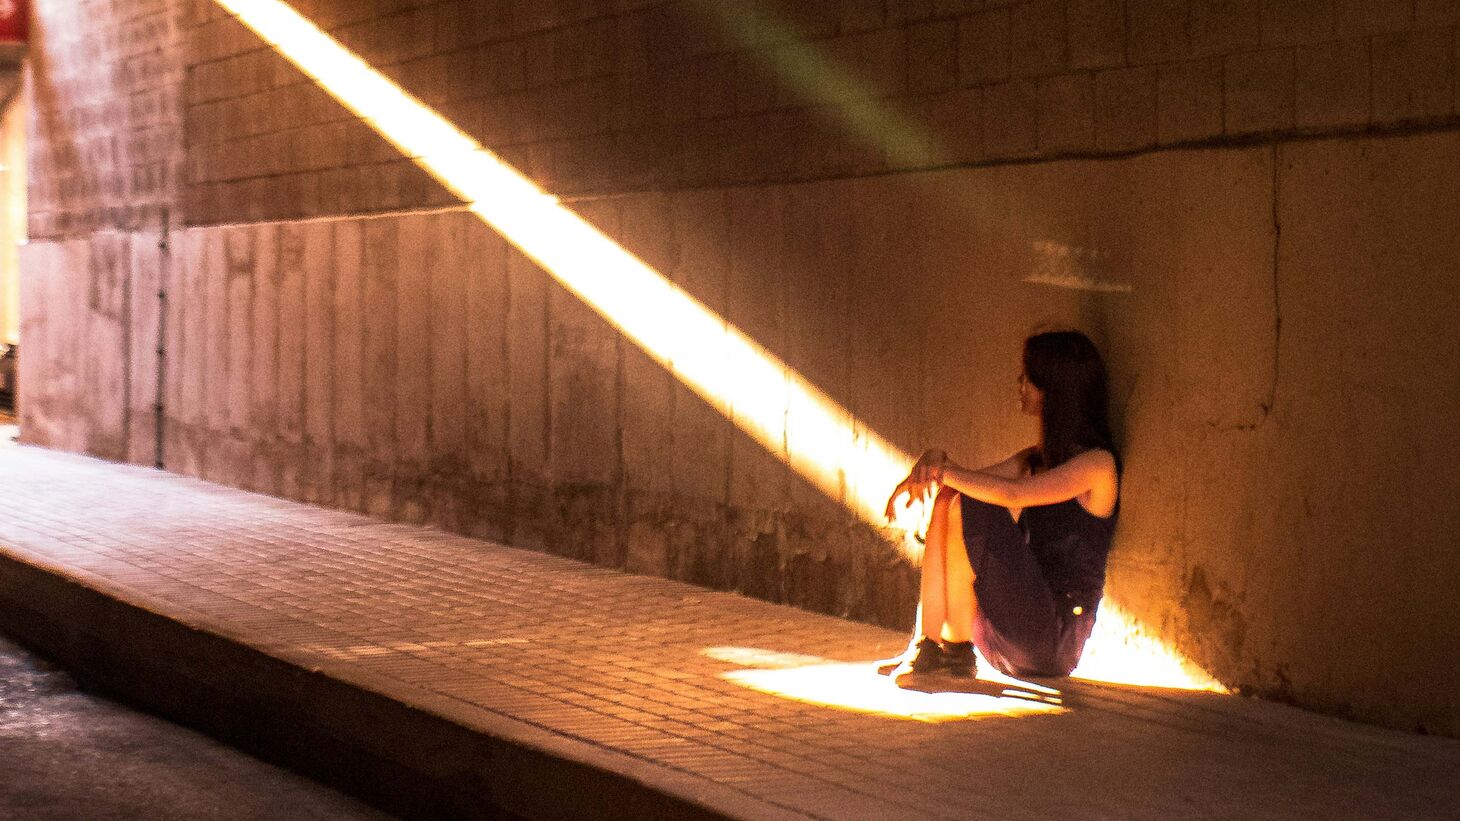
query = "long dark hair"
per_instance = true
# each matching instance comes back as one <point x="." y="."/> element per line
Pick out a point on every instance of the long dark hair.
<point x="1068" y="370"/>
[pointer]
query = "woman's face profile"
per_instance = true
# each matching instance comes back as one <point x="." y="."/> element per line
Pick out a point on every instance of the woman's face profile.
<point x="1031" y="399"/>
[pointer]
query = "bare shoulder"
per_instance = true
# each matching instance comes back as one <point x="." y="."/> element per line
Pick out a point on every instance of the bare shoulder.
<point x="1102" y="472"/>
<point x="1096" y="459"/>
<point x="1103" y="478"/>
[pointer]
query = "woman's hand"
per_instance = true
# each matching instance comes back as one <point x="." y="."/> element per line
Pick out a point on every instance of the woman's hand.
<point x="929" y="467"/>
<point x="926" y="472"/>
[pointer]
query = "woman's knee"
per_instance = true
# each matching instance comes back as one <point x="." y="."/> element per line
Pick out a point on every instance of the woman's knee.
<point x="945" y="498"/>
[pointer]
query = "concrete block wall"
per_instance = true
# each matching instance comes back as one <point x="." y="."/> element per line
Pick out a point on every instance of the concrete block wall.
<point x="594" y="98"/>
<point x="105" y="132"/>
<point x="1265" y="268"/>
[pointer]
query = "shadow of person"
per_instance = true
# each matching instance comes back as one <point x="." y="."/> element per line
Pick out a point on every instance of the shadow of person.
<point x="994" y="688"/>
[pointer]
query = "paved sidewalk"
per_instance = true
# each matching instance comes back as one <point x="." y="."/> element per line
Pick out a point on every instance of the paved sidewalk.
<point x="710" y="697"/>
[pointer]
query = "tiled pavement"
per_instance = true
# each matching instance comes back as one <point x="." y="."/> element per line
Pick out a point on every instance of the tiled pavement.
<point x="711" y="696"/>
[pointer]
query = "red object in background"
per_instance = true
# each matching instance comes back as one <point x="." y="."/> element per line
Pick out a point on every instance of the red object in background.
<point x="14" y="17"/>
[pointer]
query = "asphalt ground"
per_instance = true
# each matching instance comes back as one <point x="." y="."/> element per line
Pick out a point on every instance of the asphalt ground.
<point x="67" y="754"/>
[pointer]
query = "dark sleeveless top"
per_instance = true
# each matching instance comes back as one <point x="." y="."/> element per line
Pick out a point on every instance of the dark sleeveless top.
<point x="1071" y="545"/>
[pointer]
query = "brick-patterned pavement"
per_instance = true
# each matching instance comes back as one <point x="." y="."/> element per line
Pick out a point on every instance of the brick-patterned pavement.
<point x="710" y="686"/>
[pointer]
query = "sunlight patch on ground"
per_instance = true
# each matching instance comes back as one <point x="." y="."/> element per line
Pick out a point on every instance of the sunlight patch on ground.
<point x="856" y="686"/>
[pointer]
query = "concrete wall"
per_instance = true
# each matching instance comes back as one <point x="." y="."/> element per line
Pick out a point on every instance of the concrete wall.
<point x="597" y="97"/>
<point x="1270" y="289"/>
<point x="105" y="154"/>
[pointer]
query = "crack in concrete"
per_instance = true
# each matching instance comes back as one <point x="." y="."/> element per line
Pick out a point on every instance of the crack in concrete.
<point x="1277" y="305"/>
<point x="1266" y="406"/>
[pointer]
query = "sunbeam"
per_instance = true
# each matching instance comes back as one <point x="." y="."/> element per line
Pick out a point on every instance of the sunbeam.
<point x="765" y="398"/>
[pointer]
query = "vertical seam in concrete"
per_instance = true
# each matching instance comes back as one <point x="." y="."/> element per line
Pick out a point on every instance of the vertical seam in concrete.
<point x="1065" y="37"/>
<point x="1156" y="104"/>
<point x="250" y="322"/>
<point x="198" y="277"/>
<point x="1221" y="90"/>
<point x="783" y="310"/>
<point x="1369" y="74"/>
<point x="127" y="317"/>
<point x="1453" y="53"/>
<point x="1186" y="34"/>
<point x="275" y="437"/>
<point x="164" y="257"/>
<point x="326" y="482"/>
<point x="1292" y="93"/>
<point x="1125" y="26"/>
<point x="504" y="274"/>
<point x="621" y="497"/>
<point x="728" y="221"/>
<point x="721" y="308"/>
<point x="549" y="478"/>
<point x="1277" y="309"/>
<point x="457" y="241"/>
<point x="431" y="228"/>
<point x="358" y="329"/>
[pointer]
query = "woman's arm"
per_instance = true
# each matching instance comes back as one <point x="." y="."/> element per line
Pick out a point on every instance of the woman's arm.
<point x="931" y="466"/>
<point x="1073" y="478"/>
<point x="1014" y="467"/>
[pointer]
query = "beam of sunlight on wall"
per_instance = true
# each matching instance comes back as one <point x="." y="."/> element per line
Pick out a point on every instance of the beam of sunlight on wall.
<point x="1121" y="652"/>
<point x="857" y="687"/>
<point x="736" y="375"/>
<point x="769" y="401"/>
<point x="820" y="81"/>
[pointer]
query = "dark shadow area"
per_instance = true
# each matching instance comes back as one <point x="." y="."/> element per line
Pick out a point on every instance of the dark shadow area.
<point x="9" y="385"/>
<point x="67" y="753"/>
<point x="982" y="687"/>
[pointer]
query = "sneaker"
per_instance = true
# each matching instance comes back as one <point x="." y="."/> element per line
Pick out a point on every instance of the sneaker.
<point x="958" y="660"/>
<point x="923" y="658"/>
<point x="929" y="659"/>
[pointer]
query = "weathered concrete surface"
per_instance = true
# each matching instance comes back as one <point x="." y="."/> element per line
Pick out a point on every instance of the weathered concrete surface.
<point x="1366" y="444"/>
<point x="76" y="303"/>
<point x="67" y="754"/>
<point x="1263" y="499"/>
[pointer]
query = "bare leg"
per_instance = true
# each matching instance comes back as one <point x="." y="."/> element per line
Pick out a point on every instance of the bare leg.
<point x="945" y="606"/>
<point x="959" y="601"/>
<point x="934" y="589"/>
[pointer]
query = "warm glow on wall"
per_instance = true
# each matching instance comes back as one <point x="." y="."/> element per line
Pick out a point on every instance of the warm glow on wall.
<point x="1121" y="652"/>
<point x="767" y="400"/>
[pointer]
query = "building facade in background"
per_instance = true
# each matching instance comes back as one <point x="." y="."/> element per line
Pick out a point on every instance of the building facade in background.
<point x="13" y="33"/>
